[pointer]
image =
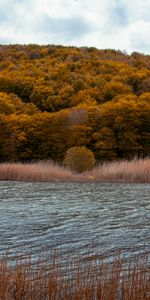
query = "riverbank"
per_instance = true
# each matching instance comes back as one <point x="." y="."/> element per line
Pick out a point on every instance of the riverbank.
<point x="134" y="171"/>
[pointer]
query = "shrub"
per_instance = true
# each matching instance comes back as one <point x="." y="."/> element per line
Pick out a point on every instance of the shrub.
<point x="79" y="159"/>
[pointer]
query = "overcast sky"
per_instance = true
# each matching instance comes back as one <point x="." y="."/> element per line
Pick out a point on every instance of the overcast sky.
<point x="117" y="24"/>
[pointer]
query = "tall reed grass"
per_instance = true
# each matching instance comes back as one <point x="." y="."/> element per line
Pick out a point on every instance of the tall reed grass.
<point x="36" y="171"/>
<point x="136" y="170"/>
<point x="42" y="280"/>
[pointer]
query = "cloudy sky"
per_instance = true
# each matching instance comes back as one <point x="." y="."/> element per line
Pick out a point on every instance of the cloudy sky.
<point x="117" y="24"/>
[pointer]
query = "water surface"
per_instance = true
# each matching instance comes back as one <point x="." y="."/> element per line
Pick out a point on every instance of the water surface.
<point x="88" y="217"/>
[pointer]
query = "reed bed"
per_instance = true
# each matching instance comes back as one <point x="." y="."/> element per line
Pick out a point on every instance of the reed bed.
<point x="136" y="171"/>
<point x="43" y="280"/>
<point x="37" y="172"/>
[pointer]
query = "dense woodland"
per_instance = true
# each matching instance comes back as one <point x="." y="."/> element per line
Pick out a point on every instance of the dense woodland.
<point x="53" y="98"/>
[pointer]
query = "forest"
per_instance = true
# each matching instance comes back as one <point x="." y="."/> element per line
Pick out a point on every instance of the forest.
<point x="53" y="98"/>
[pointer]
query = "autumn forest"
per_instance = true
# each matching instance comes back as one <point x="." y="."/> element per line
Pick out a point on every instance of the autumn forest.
<point x="53" y="98"/>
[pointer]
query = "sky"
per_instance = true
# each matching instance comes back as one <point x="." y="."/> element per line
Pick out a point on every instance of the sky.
<point x="115" y="24"/>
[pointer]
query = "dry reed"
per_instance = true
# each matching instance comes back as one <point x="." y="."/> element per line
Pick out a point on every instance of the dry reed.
<point x="37" y="171"/>
<point x="136" y="170"/>
<point x="98" y="281"/>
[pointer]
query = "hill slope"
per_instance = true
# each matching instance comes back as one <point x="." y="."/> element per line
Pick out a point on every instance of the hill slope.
<point x="54" y="97"/>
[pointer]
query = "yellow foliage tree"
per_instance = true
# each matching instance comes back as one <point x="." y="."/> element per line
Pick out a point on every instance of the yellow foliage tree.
<point x="79" y="159"/>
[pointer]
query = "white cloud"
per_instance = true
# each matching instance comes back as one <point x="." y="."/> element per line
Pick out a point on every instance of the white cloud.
<point x="139" y="33"/>
<point x="118" y="24"/>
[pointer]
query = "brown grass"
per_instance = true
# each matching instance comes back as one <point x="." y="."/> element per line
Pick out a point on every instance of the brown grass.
<point x="136" y="170"/>
<point x="75" y="281"/>
<point x="37" y="171"/>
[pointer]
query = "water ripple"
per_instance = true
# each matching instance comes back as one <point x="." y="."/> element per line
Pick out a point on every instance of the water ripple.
<point x="80" y="216"/>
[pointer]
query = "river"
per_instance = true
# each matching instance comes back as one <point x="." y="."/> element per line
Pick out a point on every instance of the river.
<point x="85" y="217"/>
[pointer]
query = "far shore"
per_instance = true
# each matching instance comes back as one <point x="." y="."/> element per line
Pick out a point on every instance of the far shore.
<point x="133" y="171"/>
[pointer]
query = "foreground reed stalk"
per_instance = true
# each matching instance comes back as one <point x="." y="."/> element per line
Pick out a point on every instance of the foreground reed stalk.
<point x="77" y="281"/>
<point x="136" y="171"/>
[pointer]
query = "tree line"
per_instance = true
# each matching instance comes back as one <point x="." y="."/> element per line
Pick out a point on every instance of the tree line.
<point x="53" y="98"/>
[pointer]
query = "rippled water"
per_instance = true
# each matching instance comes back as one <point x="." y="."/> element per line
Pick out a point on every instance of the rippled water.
<point x="79" y="216"/>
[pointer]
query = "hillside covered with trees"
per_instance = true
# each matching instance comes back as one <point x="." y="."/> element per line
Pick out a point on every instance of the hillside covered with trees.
<point x="53" y="98"/>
